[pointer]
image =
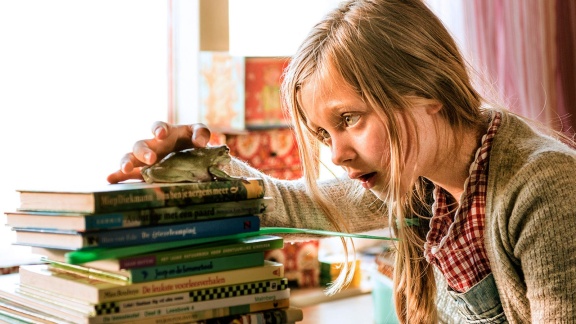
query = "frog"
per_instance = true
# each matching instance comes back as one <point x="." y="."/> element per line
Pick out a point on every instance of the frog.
<point x="190" y="165"/>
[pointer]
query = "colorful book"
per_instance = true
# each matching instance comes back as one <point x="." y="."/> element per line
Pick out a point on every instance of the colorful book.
<point x="135" y="218"/>
<point x="32" y="309"/>
<point x="72" y="240"/>
<point x="89" y="309"/>
<point x="98" y="291"/>
<point x="190" y="317"/>
<point x="171" y="256"/>
<point x="12" y="313"/>
<point x="273" y="316"/>
<point x="201" y="309"/>
<point x="138" y="195"/>
<point x="196" y="306"/>
<point x="168" y="271"/>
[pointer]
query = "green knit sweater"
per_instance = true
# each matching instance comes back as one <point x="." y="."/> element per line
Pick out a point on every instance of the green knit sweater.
<point x="530" y="231"/>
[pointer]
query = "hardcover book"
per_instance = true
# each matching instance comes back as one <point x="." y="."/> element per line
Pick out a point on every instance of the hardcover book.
<point x="167" y="271"/>
<point x="138" y="195"/>
<point x="18" y="313"/>
<point x="72" y="240"/>
<point x="193" y="316"/>
<point x="201" y="309"/>
<point x="139" y="217"/>
<point x="89" y="309"/>
<point x="97" y="291"/>
<point x="190" y="253"/>
<point x="273" y="316"/>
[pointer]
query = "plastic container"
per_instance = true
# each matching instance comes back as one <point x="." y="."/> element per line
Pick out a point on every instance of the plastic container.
<point x="383" y="299"/>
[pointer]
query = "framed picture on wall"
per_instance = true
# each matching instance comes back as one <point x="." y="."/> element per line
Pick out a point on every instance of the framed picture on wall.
<point x="263" y="77"/>
<point x="222" y="91"/>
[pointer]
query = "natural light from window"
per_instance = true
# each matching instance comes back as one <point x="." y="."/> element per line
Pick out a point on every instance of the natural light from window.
<point x="80" y="82"/>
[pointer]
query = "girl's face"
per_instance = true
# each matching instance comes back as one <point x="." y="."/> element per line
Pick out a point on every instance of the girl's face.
<point x="355" y="134"/>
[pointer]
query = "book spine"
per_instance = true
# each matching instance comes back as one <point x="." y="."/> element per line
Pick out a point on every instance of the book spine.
<point x="203" y="309"/>
<point x="196" y="267"/>
<point x="96" y="291"/>
<point x="164" y="233"/>
<point x="61" y="302"/>
<point x="169" y="215"/>
<point x="207" y="294"/>
<point x="182" y="194"/>
<point x="200" y="253"/>
<point x="273" y="316"/>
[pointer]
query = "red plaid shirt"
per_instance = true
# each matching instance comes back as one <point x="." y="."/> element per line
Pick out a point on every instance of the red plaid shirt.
<point x="455" y="242"/>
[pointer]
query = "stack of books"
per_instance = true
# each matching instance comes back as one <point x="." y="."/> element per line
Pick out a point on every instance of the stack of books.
<point x="147" y="253"/>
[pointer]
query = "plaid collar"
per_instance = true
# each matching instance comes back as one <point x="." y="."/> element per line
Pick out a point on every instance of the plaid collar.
<point x="454" y="242"/>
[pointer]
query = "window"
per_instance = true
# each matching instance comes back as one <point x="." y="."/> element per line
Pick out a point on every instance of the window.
<point x="80" y="81"/>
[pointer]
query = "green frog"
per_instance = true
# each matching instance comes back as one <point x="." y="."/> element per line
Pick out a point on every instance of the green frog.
<point x="191" y="165"/>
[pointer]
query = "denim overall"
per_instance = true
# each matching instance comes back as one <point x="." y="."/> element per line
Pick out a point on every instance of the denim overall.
<point x="481" y="303"/>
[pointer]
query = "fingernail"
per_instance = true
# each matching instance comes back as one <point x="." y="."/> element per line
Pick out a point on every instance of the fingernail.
<point x="147" y="157"/>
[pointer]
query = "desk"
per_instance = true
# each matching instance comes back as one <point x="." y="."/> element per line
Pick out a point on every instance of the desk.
<point x="356" y="309"/>
<point x="352" y="305"/>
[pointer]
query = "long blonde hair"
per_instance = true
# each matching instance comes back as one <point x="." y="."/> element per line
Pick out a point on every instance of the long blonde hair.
<point x="392" y="53"/>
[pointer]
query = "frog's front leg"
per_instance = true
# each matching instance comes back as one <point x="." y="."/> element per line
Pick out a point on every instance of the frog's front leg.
<point x="222" y="175"/>
<point x="153" y="174"/>
<point x="160" y="174"/>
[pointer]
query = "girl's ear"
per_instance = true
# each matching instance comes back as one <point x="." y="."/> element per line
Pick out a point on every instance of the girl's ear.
<point x="433" y="107"/>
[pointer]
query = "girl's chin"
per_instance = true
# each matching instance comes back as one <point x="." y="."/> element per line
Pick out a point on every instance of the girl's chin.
<point x="379" y="193"/>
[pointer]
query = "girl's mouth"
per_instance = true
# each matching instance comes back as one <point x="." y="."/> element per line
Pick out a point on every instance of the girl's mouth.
<point x="368" y="180"/>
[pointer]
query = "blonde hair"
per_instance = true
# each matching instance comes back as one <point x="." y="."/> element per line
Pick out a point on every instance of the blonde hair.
<point x="393" y="53"/>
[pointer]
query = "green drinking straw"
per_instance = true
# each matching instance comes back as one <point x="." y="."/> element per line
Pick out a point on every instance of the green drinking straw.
<point x="93" y="254"/>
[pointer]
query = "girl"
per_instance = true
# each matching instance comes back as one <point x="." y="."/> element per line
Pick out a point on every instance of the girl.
<point x="382" y="83"/>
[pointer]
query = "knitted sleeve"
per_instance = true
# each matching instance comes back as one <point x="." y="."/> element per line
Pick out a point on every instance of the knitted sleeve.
<point x="294" y="207"/>
<point x="535" y="245"/>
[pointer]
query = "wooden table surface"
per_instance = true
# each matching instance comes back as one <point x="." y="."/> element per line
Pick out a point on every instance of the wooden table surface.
<point x="357" y="309"/>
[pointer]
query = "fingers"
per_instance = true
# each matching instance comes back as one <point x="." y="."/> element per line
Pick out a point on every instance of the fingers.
<point x="160" y="130"/>
<point x="167" y="138"/>
<point x="129" y="169"/>
<point x="200" y="135"/>
<point x="144" y="152"/>
<point x="120" y="176"/>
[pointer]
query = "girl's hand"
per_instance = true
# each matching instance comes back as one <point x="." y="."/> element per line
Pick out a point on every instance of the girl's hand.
<point x="167" y="138"/>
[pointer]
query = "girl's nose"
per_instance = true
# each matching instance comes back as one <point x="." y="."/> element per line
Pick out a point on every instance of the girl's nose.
<point x="342" y="151"/>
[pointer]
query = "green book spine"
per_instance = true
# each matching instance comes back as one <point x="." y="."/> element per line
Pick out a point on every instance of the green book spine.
<point x="169" y="271"/>
<point x="130" y="196"/>
<point x="175" y="270"/>
<point x="178" y="255"/>
<point x="183" y="194"/>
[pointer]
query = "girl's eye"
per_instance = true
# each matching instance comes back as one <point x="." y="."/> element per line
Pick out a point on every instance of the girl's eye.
<point x="350" y="120"/>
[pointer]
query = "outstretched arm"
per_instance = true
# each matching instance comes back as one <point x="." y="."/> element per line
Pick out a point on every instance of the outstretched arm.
<point x="294" y="206"/>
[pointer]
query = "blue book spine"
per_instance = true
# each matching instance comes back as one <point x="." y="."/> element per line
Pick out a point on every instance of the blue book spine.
<point x="97" y="222"/>
<point x="173" y="232"/>
<point x="238" y="261"/>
